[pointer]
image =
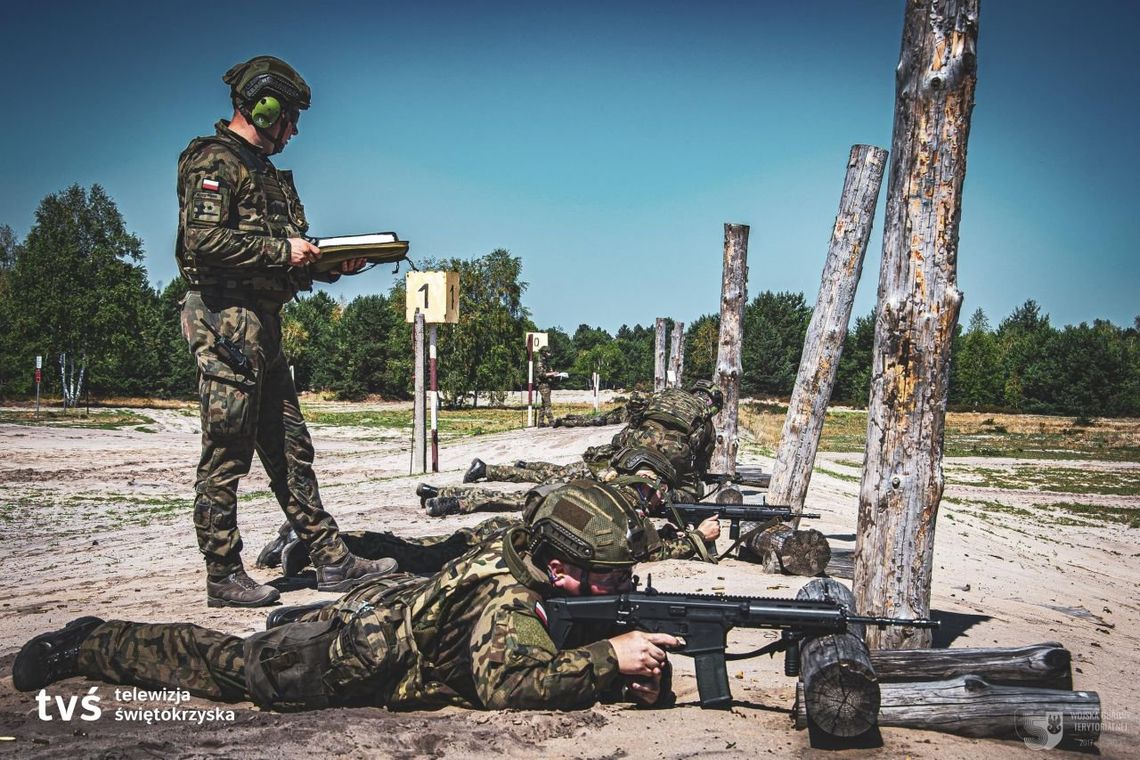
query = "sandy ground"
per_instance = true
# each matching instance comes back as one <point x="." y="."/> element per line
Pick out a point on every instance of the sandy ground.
<point x="97" y="522"/>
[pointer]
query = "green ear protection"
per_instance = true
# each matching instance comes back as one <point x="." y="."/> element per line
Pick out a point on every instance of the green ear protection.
<point x="266" y="111"/>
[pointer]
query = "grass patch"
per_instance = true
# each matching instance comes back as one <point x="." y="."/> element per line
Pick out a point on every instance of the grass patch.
<point x="100" y="419"/>
<point x="1060" y="513"/>
<point x="972" y="434"/>
<point x="1052" y="479"/>
<point x="453" y="423"/>
<point x="838" y="475"/>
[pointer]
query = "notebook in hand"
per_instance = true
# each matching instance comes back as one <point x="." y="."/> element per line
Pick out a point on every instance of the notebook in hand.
<point x="376" y="247"/>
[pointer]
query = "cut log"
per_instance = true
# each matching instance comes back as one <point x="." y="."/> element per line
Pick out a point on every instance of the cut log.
<point x="781" y="549"/>
<point x="659" y="355"/>
<point x="969" y="706"/>
<point x="1044" y="666"/>
<point x="733" y="297"/>
<point x="840" y="691"/>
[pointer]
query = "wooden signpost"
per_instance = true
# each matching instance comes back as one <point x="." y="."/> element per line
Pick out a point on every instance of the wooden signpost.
<point x="431" y="298"/>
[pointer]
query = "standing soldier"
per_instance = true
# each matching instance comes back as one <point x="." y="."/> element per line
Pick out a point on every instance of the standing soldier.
<point x="242" y="250"/>
<point x="542" y="373"/>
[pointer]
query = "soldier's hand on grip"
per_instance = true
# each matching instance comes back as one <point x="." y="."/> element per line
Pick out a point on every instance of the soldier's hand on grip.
<point x="642" y="654"/>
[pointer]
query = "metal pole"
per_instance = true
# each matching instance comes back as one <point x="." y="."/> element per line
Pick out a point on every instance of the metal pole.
<point x="595" y="378"/>
<point x="432" y="335"/>
<point x="530" y="381"/>
<point x="419" y="453"/>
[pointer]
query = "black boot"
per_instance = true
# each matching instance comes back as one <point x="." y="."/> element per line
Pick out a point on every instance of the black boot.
<point x="270" y="555"/>
<point x="283" y="615"/>
<point x="294" y="559"/>
<point x="52" y="656"/>
<point x="424" y="491"/>
<point x="442" y="506"/>
<point x="477" y="471"/>
<point x="351" y="571"/>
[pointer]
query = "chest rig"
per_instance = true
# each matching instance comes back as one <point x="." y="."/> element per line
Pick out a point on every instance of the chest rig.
<point x="268" y="206"/>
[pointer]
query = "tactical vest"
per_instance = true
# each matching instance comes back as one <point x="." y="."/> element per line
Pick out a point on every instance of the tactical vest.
<point x="677" y="409"/>
<point x="279" y="215"/>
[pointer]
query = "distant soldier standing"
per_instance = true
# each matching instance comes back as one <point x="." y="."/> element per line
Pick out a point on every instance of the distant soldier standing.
<point x="242" y="251"/>
<point x="542" y="374"/>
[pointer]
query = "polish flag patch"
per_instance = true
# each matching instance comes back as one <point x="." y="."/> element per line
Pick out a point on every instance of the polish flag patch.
<point x="210" y="184"/>
<point x="541" y="613"/>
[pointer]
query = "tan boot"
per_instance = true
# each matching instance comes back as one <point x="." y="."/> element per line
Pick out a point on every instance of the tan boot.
<point x="351" y="571"/>
<point x="239" y="590"/>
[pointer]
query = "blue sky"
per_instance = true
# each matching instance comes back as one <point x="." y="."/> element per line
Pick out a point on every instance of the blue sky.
<point x="604" y="143"/>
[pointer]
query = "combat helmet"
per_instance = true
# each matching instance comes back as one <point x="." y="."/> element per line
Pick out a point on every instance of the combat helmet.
<point x="588" y="524"/>
<point x="631" y="460"/>
<point x="264" y="89"/>
<point x="709" y="389"/>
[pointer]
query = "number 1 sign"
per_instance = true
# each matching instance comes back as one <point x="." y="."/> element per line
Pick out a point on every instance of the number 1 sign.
<point x="433" y="294"/>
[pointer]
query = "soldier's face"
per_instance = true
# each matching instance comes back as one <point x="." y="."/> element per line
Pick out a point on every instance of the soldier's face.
<point x="575" y="581"/>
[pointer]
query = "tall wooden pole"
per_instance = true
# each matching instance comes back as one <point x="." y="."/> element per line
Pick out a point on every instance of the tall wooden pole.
<point x="733" y="294"/>
<point x="917" y="314"/>
<point x="823" y="344"/>
<point x="659" y="356"/>
<point x="677" y="352"/>
<point x="419" y="453"/>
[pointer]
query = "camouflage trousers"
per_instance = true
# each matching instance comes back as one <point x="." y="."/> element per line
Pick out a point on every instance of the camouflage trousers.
<point x="250" y="406"/>
<point x="614" y="416"/>
<point x="424" y="555"/>
<point x="354" y="658"/>
<point x="477" y="499"/>
<point x="545" y="416"/>
<point x="536" y="472"/>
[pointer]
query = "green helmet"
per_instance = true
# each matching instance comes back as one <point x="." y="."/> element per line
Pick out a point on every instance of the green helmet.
<point x="714" y="394"/>
<point x="266" y="78"/>
<point x="630" y="460"/>
<point x="588" y="524"/>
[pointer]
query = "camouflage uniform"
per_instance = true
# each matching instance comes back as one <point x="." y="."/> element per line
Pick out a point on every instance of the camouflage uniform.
<point x="478" y="499"/>
<point x="472" y="635"/>
<point x="536" y="472"/>
<point x="237" y="212"/>
<point x="545" y="415"/>
<point x="616" y="416"/>
<point x="428" y="554"/>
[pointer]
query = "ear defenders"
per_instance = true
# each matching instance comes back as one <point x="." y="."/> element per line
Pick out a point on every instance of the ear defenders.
<point x="266" y="111"/>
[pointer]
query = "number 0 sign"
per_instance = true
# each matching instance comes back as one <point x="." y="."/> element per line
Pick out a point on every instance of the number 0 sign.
<point x="433" y="294"/>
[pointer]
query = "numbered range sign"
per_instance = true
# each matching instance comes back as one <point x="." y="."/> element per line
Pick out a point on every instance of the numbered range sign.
<point x="433" y="294"/>
<point x="537" y="340"/>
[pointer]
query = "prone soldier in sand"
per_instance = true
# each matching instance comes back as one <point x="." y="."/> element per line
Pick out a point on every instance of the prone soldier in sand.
<point x="473" y="635"/>
<point x="242" y="249"/>
<point x="674" y="422"/>
<point x="641" y="477"/>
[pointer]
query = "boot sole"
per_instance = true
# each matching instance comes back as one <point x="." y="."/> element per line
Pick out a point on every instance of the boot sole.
<point x="214" y="601"/>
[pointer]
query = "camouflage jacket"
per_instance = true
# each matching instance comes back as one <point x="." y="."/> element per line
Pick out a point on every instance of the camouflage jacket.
<point x="236" y="213"/>
<point x="474" y="635"/>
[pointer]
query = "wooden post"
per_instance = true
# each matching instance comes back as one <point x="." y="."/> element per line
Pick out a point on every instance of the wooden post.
<point x="1046" y="666"/>
<point x="917" y="315"/>
<point x="677" y="352"/>
<point x="529" y="381"/>
<point x="733" y="294"/>
<point x="841" y="693"/>
<point x="823" y="344"/>
<point x="419" y="454"/>
<point x="659" y="356"/>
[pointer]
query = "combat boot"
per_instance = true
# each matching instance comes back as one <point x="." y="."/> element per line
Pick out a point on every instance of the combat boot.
<point x="351" y="571"/>
<point x="442" y="506"/>
<point x="557" y="422"/>
<point x="284" y="615"/>
<point x="294" y="559"/>
<point x="239" y="590"/>
<point x="477" y="471"/>
<point x="424" y="491"/>
<point x="52" y="656"/>
<point x="270" y="555"/>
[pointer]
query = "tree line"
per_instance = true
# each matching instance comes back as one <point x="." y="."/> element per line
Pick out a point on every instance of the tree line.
<point x="75" y="292"/>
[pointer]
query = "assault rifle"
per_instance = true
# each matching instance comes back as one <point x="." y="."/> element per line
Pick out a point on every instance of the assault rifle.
<point x="703" y="622"/>
<point x="744" y="476"/>
<point x="685" y="514"/>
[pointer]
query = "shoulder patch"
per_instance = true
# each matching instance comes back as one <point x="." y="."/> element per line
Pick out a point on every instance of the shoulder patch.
<point x="538" y="610"/>
<point x="206" y="207"/>
<point x="529" y="632"/>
